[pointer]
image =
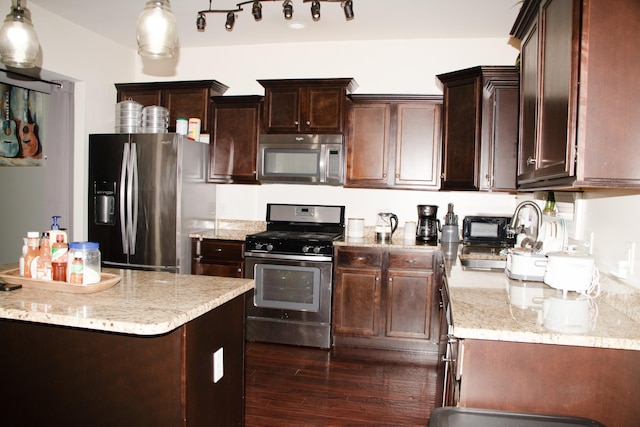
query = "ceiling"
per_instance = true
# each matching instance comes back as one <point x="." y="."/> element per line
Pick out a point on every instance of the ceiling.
<point x="374" y="20"/>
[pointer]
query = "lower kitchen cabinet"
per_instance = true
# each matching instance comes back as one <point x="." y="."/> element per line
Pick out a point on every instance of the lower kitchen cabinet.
<point x="386" y="298"/>
<point x="596" y="383"/>
<point x="213" y="257"/>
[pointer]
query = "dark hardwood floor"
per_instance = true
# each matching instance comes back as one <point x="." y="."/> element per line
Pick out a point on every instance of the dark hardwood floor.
<point x="299" y="386"/>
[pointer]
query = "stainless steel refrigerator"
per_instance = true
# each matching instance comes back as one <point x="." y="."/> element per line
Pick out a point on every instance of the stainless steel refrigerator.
<point x="147" y="192"/>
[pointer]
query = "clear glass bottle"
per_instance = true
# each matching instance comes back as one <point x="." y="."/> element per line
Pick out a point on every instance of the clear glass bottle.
<point x="33" y="243"/>
<point x="77" y="267"/>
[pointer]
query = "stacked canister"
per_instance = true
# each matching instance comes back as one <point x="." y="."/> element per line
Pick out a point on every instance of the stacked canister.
<point x="155" y="119"/>
<point x="128" y="116"/>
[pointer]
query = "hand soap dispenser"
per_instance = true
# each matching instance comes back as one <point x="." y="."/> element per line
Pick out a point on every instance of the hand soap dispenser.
<point x="55" y="230"/>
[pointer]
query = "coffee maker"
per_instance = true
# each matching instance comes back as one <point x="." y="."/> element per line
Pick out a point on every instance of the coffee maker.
<point x="428" y="225"/>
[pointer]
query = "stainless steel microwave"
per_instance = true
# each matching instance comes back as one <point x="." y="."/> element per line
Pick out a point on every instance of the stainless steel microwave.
<point x="301" y="159"/>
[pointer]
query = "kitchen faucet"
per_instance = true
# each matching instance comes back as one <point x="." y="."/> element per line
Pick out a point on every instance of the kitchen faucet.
<point x="516" y="214"/>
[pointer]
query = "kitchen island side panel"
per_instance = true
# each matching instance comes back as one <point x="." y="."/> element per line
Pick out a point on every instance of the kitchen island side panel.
<point x="57" y="375"/>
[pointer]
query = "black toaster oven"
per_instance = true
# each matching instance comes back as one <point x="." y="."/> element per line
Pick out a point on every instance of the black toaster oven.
<point x="488" y="230"/>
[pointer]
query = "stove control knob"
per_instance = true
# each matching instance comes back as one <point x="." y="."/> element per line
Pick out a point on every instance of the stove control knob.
<point x="305" y="249"/>
<point x="258" y="246"/>
<point x="269" y="247"/>
<point x="317" y="249"/>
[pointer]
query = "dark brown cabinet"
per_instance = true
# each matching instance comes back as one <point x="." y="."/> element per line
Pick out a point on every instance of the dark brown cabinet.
<point x="386" y="298"/>
<point x="480" y="128"/>
<point x="96" y="378"/>
<point x="305" y="105"/>
<point x="234" y="139"/>
<point x="578" y="119"/>
<point x="393" y="141"/>
<point x="183" y="98"/>
<point x="213" y="257"/>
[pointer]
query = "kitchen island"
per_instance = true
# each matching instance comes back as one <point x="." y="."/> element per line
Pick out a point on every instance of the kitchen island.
<point x="155" y="349"/>
<point x="513" y="350"/>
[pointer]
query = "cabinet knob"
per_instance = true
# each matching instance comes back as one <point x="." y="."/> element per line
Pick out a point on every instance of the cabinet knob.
<point x="531" y="161"/>
<point x="296" y="123"/>
<point x="308" y="123"/>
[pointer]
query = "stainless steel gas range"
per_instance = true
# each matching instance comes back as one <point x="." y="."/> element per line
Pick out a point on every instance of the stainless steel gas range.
<point x="292" y="265"/>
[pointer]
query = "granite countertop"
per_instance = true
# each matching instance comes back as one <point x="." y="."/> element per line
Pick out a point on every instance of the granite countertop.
<point x="142" y="303"/>
<point x="228" y="229"/>
<point x="488" y="305"/>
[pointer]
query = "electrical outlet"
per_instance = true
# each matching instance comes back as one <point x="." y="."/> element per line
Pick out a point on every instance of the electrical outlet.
<point x="218" y="365"/>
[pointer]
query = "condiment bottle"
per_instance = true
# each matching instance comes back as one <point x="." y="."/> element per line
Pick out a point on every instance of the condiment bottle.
<point x="25" y="248"/>
<point x="43" y="266"/>
<point x="59" y="259"/>
<point x="77" y="267"/>
<point x="33" y="241"/>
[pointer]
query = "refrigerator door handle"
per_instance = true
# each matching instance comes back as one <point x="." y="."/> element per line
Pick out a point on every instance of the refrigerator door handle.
<point x="133" y="231"/>
<point x="123" y="193"/>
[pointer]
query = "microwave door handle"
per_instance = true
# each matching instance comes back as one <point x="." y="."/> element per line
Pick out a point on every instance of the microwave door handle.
<point x="324" y="161"/>
<point x="123" y="192"/>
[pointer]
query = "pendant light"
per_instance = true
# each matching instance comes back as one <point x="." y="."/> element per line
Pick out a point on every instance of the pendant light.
<point x="19" y="43"/>
<point x="157" y="32"/>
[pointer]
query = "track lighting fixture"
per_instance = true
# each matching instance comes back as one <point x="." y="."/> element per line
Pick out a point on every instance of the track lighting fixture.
<point x="287" y="9"/>
<point x="256" y="11"/>
<point x="231" y="19"/>
<point x="19" y="43"/>
<point x="315" y="10"/>
<point x="348" y="9"/>
<point x="156" y="31"/>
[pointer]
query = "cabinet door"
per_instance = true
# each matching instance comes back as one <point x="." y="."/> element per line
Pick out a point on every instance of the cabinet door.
<point x="322" y="110"/>
<point x="357" y="301"/>
<point x="145" y="97"/>
<point x="461" y="145"/>
<point x="214" y="257"/>
<point x="199" y="267"/>
<point x="408" y="299"/>
<point x="554" y="148"/>
<point x="282" y="110"/>
<point x="529" y="83"/>
<point x="368" y="144"/>
<point x="234" y="143"/>
<point x="186" y="103"/>
<point x="417" y="146"/>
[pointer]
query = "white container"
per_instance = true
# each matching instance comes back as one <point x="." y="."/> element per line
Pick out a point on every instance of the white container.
<point x="182" y="126"/>
<point x="90" y="258"/>
<point x="355" y="228"/>
<point x="194" y="129"/>
<point x="570" y="271"/>
<point x="526" y="265"/>
<point x="410" y="228"/>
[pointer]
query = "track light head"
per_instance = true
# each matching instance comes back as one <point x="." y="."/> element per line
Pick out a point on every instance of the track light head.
<point x="348" y="9"/>
<point x="256" y="10"/>
<point x="315" y="10"/>
<point x="231" y="20"/>
<point x="201" y="22"/>
<point x="287" y="9"/>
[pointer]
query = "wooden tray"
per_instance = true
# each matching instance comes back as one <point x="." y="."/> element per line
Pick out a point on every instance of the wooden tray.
<point x="106" y="281"/>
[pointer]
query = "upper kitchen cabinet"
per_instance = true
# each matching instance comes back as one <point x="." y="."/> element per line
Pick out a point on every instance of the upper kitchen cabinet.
<point x="480" y="128"/>
<point x="393" y="141"/>
<point x="234" y="139"/>
<point x="182" y="98"/>
<point x="305" y="105"/>
<point x="578" y="94"/>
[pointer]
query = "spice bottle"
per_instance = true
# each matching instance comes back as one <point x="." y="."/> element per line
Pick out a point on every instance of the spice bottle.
<point x="77" y="267"/>
<point x="59" y="259"/>
<point x="43" y="267"/>
<point x="33" y="241"/>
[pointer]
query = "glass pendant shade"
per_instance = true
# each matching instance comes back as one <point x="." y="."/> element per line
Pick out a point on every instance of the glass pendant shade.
<point x="157" y="32"/>
<point x="19" y="43"/>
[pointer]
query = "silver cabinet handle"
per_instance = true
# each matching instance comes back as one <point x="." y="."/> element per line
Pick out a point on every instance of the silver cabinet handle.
<point x="531" y="161"/>
<point x="308" y="123"/>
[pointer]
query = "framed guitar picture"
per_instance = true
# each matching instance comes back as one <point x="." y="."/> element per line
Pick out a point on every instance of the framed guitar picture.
<point x="20" y="138"/>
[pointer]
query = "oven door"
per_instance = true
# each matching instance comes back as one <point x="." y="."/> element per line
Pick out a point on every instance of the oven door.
<point x="297" y="289"/>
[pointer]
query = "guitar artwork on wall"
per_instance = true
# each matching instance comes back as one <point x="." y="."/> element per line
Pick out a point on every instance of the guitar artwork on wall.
<point x="28" y="131"/>
<point x="10" y="146"/>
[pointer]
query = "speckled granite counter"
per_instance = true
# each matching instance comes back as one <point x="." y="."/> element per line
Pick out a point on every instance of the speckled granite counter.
<point x="226" y="229"/>
<point x="142" y="303"/>
<point x="488" y="305"/>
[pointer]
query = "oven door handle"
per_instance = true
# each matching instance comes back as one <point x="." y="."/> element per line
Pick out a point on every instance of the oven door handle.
<point x="286" y="257"/>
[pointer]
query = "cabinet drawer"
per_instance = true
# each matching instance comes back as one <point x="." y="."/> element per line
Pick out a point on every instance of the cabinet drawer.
<point x="358" y="257"/>
<point x="219" y="249"/>
<point x="404" y="260"/>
